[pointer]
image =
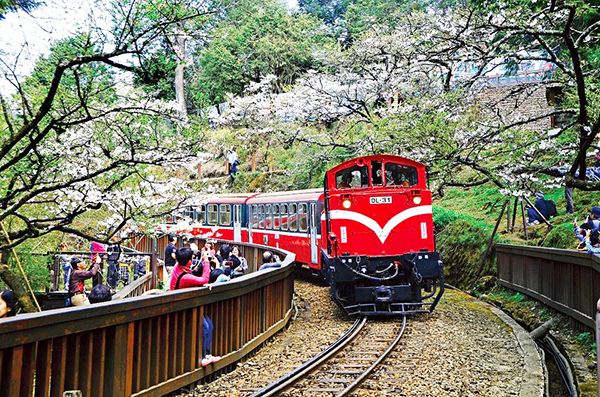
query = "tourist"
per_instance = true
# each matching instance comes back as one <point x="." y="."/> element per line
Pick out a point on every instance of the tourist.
<point x="269" y="261"/>
<point x="591" y="242"/>
<point x="170" y="252"/>
<point x="78" y="276"/>
<point x="183" y="278"/>
<point x="240" y="264"/>
<point x="100" y="293"/>
<point x="8" y="303"/>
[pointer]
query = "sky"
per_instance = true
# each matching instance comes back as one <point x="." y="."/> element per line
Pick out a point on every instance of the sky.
<point x="24" y="38"/>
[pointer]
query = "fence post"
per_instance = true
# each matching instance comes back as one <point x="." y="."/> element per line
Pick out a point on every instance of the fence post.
<point x="56" y="278"/>
<point x="119" y="361"/>
<point x="154" y="267"/>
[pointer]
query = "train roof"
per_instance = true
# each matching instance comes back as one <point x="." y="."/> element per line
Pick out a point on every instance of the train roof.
<point x="293" y="195"/>
<point x="385" y="157"/>
<point x="230" y="198"/>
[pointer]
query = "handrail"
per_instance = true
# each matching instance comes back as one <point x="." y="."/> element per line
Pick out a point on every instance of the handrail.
<point x="562" y="279"/>
<point x="136" y="288"/>
<point x="143" y="345"/>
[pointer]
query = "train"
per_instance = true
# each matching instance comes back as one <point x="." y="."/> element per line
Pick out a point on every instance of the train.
<point x="368" y="232"/>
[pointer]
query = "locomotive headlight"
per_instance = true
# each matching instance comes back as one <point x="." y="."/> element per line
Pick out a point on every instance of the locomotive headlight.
<point x="417" y="200"/>
<point x="346" y="204"/>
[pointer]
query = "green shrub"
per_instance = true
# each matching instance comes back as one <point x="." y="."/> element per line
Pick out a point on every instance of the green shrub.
<point x="461" y="245"/>
<point x="442" y="217"/>
<point x="561" y="236"/>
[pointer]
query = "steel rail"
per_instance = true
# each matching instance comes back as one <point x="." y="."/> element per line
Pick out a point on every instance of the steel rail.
<point x="302" y="371"/>
<point x="368" y="371"/>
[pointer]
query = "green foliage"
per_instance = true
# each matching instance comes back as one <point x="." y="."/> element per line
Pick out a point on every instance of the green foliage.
<point x="442" y="217"/>
<point x="36" y="267"/>
<point x="461" y="245"/>
<point x="363" y="14"/>
<point x="587" y="341"/>
<point x="7" y="6"/>
<point x="561" y="236"/>
<point x="93" y="82"/>
<point x="259" y="39"/>
<point x="331" y="12"/>
<point x="157" y="74"/>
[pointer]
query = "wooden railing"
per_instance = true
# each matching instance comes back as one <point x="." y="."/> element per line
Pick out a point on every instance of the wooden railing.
<point x="565" y="280"/>
<point x="143" y="346"/>
<point x="136" y="288"/>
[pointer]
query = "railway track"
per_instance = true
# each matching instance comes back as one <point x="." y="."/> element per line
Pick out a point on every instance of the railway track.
<point x="343" y="366"/>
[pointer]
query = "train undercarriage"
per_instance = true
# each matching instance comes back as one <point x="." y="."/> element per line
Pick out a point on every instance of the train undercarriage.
<point x="389" y="285"/>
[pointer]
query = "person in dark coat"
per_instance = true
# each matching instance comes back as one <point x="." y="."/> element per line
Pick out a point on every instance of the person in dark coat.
<point x="545" y="207"/>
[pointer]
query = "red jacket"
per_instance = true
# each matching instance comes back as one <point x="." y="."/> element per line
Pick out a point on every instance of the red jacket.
<point x="189" y="280"/>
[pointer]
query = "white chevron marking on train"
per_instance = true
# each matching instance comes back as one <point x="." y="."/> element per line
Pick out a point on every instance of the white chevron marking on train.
<point x="384" y="232"/>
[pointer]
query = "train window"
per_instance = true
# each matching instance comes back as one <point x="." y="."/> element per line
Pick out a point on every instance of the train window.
<point x="254" y="216"/>
<point x="302" y="217"/>
<point x="318" y="214"/>
<point x="400" y="175"/>
<point x="261" y="216"/>
<point x="284" y="217"/>
<point x="377" y="172"/>
<point x="213" y="214"/>
<point x="237" y="217"/>
<point x="292" y="218"/>
<point x="268" y="219"/>
<point x="276" y="216"/>
<point x="202" y="214"/>
<point x="353" y="177"/>
<point x="188" y="213"/>
<point x="225" y="214"/>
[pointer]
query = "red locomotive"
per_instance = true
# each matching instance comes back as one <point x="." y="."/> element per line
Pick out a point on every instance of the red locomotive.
<point x="369" y="232"/>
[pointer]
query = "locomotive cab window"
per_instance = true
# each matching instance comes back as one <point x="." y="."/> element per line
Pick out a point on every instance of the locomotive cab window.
<point x="353" y="177"/>
<point x="224" y="214"/>
<point x="400" y="175"/>
<point x="213" y="214"/>
<point x="377" y="172"/>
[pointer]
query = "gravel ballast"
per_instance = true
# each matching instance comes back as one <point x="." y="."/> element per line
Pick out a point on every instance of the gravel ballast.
<point x="462" y="349"/>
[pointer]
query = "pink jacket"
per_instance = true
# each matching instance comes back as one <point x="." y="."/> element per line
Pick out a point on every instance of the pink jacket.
<point x="189" y="280"/>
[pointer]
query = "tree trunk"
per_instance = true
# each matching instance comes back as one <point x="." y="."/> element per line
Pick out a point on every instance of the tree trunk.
<point x="15" y="284"/>
<point x="179" y="49"/>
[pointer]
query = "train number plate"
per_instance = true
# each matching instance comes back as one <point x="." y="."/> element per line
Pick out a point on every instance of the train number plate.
<point x="380" y="200"/>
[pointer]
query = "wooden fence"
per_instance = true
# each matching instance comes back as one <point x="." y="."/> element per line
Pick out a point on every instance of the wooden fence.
<point x="137" y="287"/>
<point x="143" y="346"/>
<point x="566" y="280"/>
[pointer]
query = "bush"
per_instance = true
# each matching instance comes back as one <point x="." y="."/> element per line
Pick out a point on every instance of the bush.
<point x="442" y="217"/>
<point x="461" y="245"/>
<point x="561" y="236"/>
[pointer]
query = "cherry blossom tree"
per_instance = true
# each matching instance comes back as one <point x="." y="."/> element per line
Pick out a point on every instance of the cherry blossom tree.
<point x="76" y="138"/>
<point x="397" y="89"/>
